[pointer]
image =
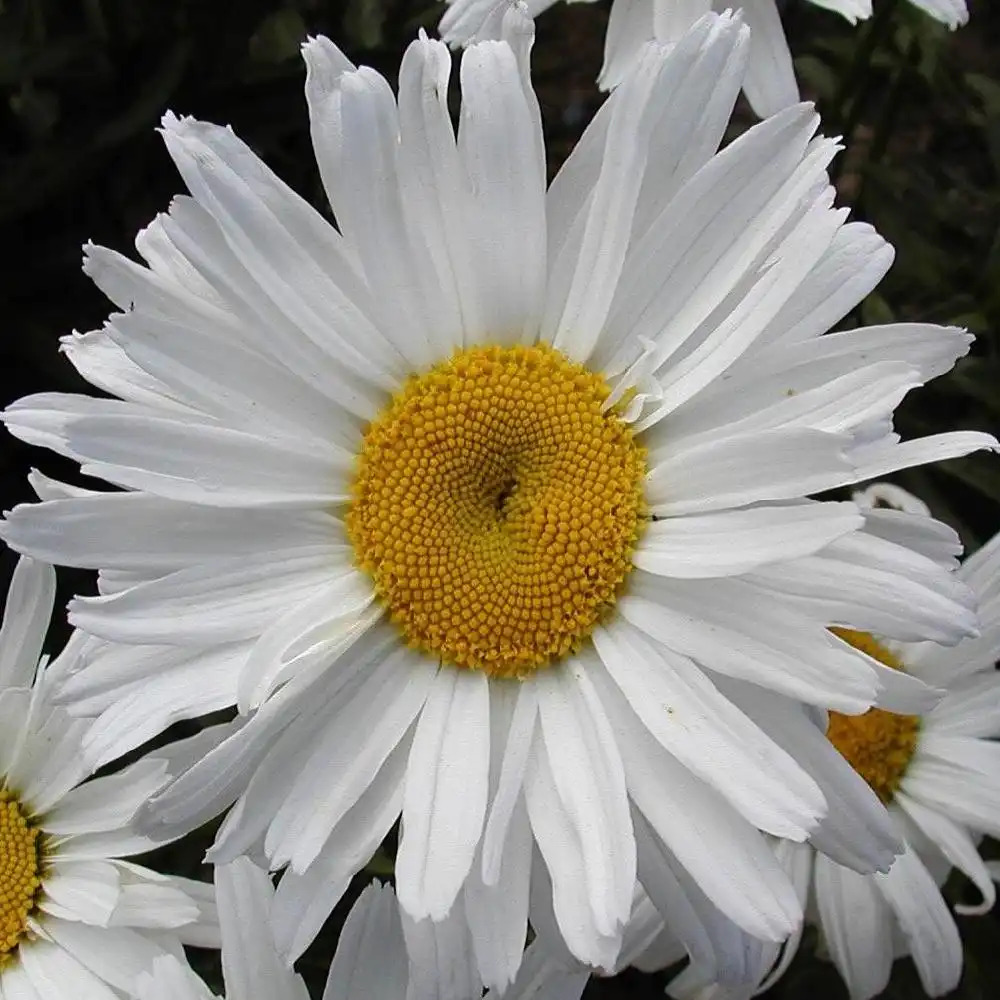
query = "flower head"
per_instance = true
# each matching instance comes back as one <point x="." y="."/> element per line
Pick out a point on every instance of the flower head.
<point x="936" y="773"/>
<point x="70" y="909"/>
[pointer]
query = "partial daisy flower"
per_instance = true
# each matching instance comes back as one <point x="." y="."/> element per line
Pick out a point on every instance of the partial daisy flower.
<point x="770" y="78"/>
<point x="375" y="956"/>
<point x="471" y="503"/>
<point x="71" y="910"/>
<point x="938" y="775"/>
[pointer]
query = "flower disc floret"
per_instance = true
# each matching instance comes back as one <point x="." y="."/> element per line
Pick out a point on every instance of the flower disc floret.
<point x="497" y="505"/>
<point x="879" y="745"/>
<point x="20" y="873"/>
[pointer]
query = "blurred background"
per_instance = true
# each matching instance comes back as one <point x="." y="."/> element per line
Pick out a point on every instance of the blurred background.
<point x="84" y="83"/>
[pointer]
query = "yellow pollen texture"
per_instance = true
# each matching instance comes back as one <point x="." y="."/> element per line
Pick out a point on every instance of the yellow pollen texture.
<point x="879" y="745"/>
<point x="497" y="507"/>
<point x="20" y="876"/>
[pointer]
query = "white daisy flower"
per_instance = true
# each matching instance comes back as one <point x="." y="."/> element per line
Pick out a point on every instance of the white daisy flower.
<point x="470" y="503"/>
<point x="71" y="911"/>
<point x="376" y="957"/>
<point x="938" y="775"/>
<point x="770" y="79"/>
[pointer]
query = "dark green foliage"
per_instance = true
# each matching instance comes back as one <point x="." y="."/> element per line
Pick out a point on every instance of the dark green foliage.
<point x="84" y="83"/>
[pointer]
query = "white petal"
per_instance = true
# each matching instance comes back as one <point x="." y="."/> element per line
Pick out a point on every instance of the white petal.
<point x="955" y="844"/>
<point x="303" y="902"/>
<point x="358" y="733"/>
<point x="694" y="113"/>
<point x="304" y="271"/>
<point x="434" y="191"/>
<point x="731" y="542"/>
<point x="250" y="962"/>
<point x="881" y="458"/>
<point x="498" y="914"/>
<point x="915" y="530"/>
<point x="969" y="795"/>
<point x="171" y="979"/>
<point x="713" y="237"/>
<point x="180" y="683"/>
<point x="137" y="530"/>
<point x="500" y="147"/>
<point x="712" y="940"/>
<point x="926" y="923"/>
<point x="857" y="830"/>
<point x="630" y="27"/>
<point x="15" y="719"/>
<point x="561" y="883"/>
<point x="770" y="81"/>
<point x="324" y="625"/>
<point x="726" y="336"/>
<point x="371" y="956"/>
<point x="584" y="274"/>
<point x="509" y="782"/>
<point x="969" y="708"/>
<point x="742" y="469"/>
<point x="251" y="316"/>
<point x="587" y="772"/>
<point x="82" y="890"/>
<point x="213" y="782"/>
<point x="230" y="381"/>
<point x="26" y="616"/>
<point x="104" y="364"/>
<point x="856" y="926"/>
<point x="853" y="10"/>
<point x="735" y="629"/>
<point x="441" y="960"/>
<point x="868" y="583"/>
<point x="724" y="854"/>
<point x="181" y="456"/>
<point x="108" y="802"/>
<point x="444" y="800"/>
<point x="218" y="601"/>
<point x="953" y="13"/>
<point x="854" y="263"/>
<point x="543" y="977"/>
<point x="688" y="717"/>
<point x="48" y="968"/>
<point x="50" y="761"/>
<point x="355" y="129"/>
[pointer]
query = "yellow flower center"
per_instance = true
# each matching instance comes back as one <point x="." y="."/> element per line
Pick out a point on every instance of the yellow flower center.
<point x="496" y="507"/>
<point x="879" y="745"/>
<point x="20" y="873"/>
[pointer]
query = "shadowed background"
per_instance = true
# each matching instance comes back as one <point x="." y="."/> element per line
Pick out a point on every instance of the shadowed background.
<point x="84" y="84"/>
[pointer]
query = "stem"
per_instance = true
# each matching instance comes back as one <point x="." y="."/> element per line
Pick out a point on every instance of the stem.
<point x="849" y="101"/>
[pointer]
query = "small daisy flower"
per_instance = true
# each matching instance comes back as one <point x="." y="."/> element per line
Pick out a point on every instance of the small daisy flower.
<point x="471" y="503"/>
<point x="71" y="911"/>
<point x="376" y="957"/>
<point x="770" y="79"/>
<point x="937" y="774"/>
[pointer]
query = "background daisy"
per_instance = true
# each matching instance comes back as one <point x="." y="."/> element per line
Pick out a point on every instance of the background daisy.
<point x="937" y="774"/>
<point x="769" y="83"/>
<point x="72" y="910"/>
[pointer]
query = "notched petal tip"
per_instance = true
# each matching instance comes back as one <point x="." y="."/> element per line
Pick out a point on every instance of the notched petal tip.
<point x="325" y="63"/>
